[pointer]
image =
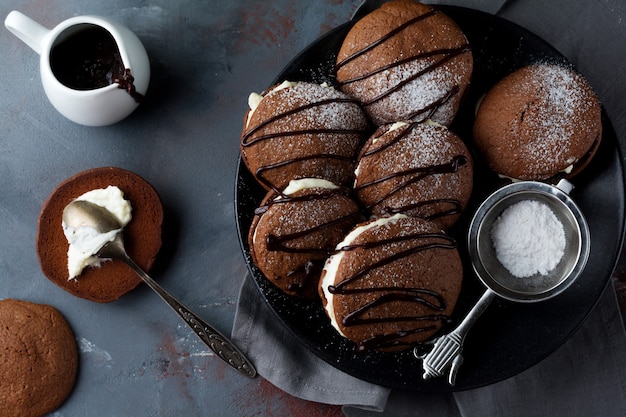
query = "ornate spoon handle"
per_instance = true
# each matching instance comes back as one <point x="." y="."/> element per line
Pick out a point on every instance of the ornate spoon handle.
<point x="215" y="340"/>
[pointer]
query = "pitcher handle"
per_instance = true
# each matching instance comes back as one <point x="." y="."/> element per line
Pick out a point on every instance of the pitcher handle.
<point x="26" y="29"/>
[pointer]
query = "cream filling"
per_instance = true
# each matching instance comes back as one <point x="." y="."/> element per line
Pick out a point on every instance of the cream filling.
<point x="396" y="126"/>
<point x="427" y="122"/>
<point x="332" y="263"/>
<point x="84" y="241"/>
<point x="430" y="122"/>
<point x="306" y="183"/>
<point x="254" y="99"/>
<point x="302" y="184"/>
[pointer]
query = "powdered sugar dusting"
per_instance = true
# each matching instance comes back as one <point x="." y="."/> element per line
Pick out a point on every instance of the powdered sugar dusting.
<point x="427" y="146"/>
<point x="327" y="114"/>
<point x="528" y="239"/>
<point x="556" y="93"/>
<point x="305" y="126"/>
<point x="413" y="169"/>
<point x="408" y="62"/>
<point x="553" y="118"/>
<point x="413" y="100"/>
<point x="540" y="121"/>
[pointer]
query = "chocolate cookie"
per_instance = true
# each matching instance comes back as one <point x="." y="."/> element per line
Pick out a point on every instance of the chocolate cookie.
<point x="39" y="359"/>
<point x="541" y="122"/>
<point x="406" y="61"/>
<point x="393" y="283"/>
<point x="302" y="130"/>
<point x="142" y="236"/>
<point x="418" y="169"/>
<point x="293" y="233"/>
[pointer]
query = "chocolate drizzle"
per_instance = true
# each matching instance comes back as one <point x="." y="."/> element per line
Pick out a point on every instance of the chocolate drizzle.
<point x="389" y="35"/>
<point x="126" y="81"/>
<point x="440" y="58"/>
<point x="448" y="243"/>
<point x="269" y="167"/>
<point x="246" y="137"/>
<point x="414" y="175"/>
<point x="249" y="138"/>
<point x="427" y="298"/>
<point x="279" y="243"/>
<point x="313" y="267"/>
<point x="454" y="205"/>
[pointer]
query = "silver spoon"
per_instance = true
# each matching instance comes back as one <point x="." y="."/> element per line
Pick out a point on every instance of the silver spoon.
<point x="84" y="213"/>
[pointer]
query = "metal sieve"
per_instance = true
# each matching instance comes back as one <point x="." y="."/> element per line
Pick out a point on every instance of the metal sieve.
<point x="537" y="287"/>
<point x="446" y="353"/>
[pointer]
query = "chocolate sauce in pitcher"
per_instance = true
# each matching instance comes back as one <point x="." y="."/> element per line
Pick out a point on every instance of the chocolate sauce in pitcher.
<point x="90" y="59"/>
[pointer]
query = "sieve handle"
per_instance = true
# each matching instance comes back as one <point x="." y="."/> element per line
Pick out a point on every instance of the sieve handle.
<point x="565" y="186"/>
<point x="446" y="353"/>
<point x="476" y="311"/>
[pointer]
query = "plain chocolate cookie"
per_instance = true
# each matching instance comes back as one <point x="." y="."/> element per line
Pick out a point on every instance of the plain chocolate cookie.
<point x="406" y="61"/>
<point x="38" y="357"/>
<point x="142" y="236"/>
<point x="541" y="122"/>
<point x="418" y="169"/>
<point x="393" y="283"/>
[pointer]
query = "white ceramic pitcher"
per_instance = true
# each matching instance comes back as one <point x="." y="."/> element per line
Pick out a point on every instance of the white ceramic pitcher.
<point x="94" y="107"/>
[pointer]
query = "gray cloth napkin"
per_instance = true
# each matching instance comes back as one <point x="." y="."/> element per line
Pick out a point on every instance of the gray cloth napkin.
<point x="283" y="361"/>
<point x="585" y="377"/>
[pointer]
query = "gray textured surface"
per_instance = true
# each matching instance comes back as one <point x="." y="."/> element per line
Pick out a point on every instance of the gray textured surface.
<point x="136" y="357"/>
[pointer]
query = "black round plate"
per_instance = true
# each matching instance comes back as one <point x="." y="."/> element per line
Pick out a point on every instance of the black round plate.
<point x="509" y="337"/>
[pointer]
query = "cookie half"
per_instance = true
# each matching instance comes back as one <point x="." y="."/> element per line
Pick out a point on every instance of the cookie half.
<point x="142" y="236"/>
<point x="39" y="358"/>
<point x="406" y="61"/>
